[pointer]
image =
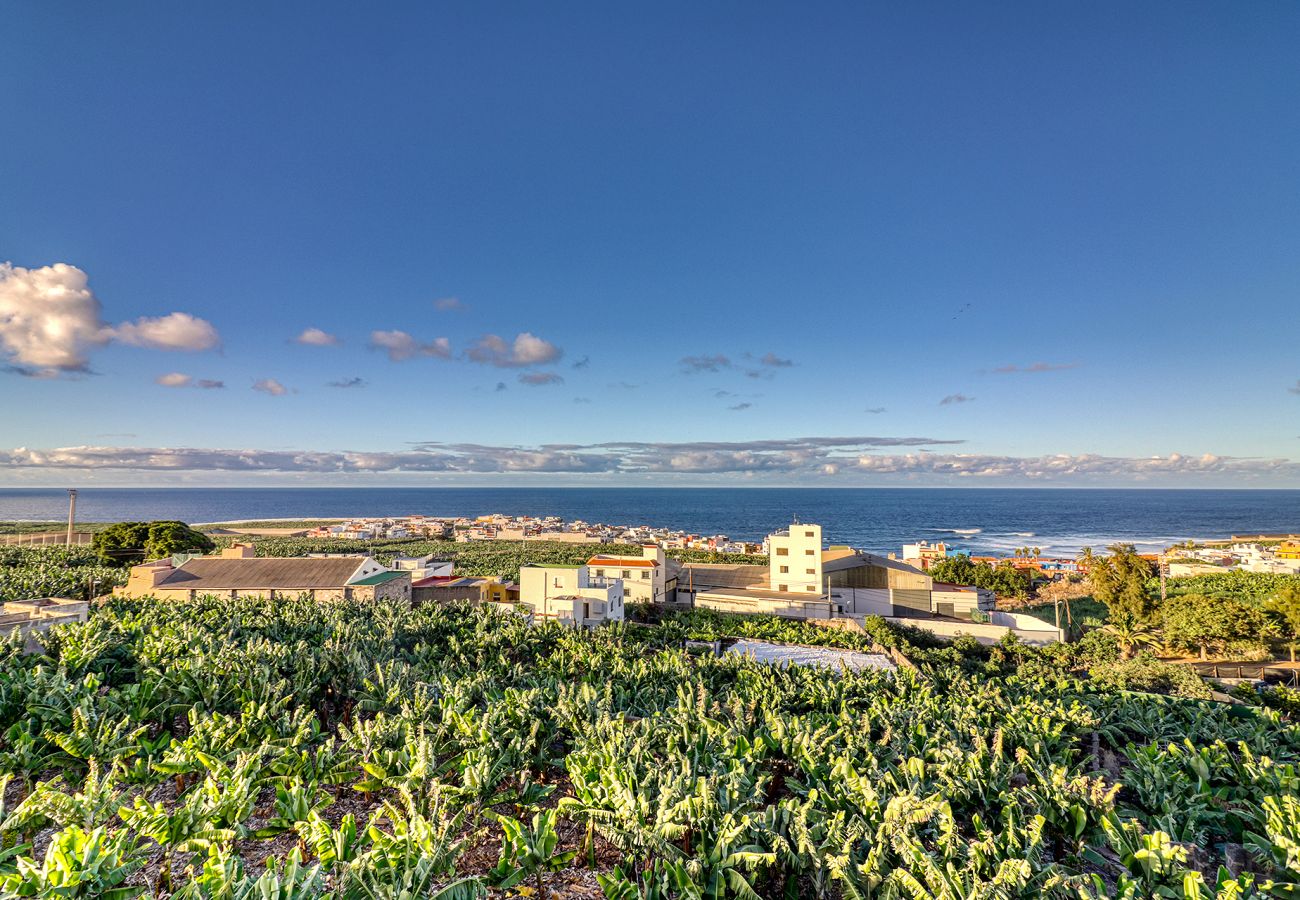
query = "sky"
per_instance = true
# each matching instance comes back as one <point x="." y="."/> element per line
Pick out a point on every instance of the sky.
<point x="849" y="244"/>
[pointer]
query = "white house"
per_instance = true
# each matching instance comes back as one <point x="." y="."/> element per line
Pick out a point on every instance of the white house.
<point x="567" y="593"/>
<point x="646" y="578"/>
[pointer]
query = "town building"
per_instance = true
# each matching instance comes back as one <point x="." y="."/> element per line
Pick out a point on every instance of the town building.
<point x="958" y="601"/>
<point x="471" y="588"/>
<point x="648" y="578"/>
<point x="804" y="581"/>
<point x="238" y="572"/>
<point x="33" y="617"/>
<point x="569" y="594"/>
<point x="923" y="553"/>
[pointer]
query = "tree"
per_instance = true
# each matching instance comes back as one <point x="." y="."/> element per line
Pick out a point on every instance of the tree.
<point x="152" y="540"/>
<point x="1004" y="579"/>
<point x="1285" y="604"/>
<point x="1205" y="623"/>
<point x="1120" y="582"/>
<point x="1129" y="633"/>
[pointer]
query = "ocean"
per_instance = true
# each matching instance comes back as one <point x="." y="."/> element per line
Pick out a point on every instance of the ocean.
<point x="989" y="520"/>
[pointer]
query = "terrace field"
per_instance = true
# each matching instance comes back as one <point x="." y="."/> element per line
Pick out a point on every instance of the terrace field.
<point x="182" y="748"/>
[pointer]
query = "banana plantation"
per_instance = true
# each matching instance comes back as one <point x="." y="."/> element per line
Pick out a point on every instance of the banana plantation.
<point x="286" y="750"/>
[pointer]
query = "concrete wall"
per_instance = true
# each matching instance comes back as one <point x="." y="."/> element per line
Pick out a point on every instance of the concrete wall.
<point x="985" y="634"/>
<point x="863" y="601"/>
<point x="962" y="602"/>
<point x="790" y="609"/>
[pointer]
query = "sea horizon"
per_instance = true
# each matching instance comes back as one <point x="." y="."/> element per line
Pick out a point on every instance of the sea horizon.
<point x="992" y="520"/>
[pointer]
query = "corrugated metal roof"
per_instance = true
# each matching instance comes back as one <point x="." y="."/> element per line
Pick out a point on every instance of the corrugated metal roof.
<point x="380" y="578"/>
<point x="294" y="573"/>
<point x="702" y="576"/>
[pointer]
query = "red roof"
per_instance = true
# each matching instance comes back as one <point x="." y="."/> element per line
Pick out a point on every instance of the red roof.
<point x="615" y="562"/>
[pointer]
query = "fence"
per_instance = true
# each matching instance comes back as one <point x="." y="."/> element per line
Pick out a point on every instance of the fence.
<point x="46" y="538"/>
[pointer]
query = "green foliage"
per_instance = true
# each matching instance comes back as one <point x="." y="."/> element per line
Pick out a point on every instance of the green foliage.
<point x="1004" y="579"/>
<point x="28" y="572"/>
<point x="1198" y="622"/>
<point x="187" y="733"/>
<point x="149" y="540"/>
<point x="78" y="864"/>
<point x="1248" y="587"/>
<point x="1146" y="673"/>
<point x="529" y="851"/>
<point x="1120" y="582"/>
<point x="503" y="558"/>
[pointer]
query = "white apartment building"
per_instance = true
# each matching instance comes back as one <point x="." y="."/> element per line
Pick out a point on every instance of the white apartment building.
<point x="795" y="559"/>
<point x="646" y="578"/>
<point x="568" y="593"/>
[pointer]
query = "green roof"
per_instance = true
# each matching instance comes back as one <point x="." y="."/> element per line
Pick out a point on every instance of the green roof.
<point x="377" y="578"/>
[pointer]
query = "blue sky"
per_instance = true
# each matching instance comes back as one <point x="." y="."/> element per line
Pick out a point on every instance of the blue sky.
<point x="901" y="201"/>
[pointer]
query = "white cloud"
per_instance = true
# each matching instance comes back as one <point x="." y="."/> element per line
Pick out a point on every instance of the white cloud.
<point x="955" y="398"/>
<point x="315" y="337"/>
<point x="50" y="320"/>
<point x="180" y="379"/>
<point x="400" y="346"/>
<point x="526" y="350"/>
<point x="842" y="460"/>
<point x="449" y="304"/>
<point x="270" y="386"/>
<point x="771" y="359"/>
<point x="174" y="331"/>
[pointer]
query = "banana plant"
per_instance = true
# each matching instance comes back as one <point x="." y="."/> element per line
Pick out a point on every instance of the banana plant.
<point x="77" y="864"/>
<point x="295" y="803"/>
<point x="529" y="851"/>
<point x="94" y="805"/>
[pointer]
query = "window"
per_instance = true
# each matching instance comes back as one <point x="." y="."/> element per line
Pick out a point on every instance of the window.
<point x="811" y="588"/>
<point x="810" y="571"/>
<point x="600" y="573"/>
<point x="783" y="587"/>
<point x="808" y="534"/>
<point x="627" y="573"/>
<point x="782" y="551"/>
<point x="785" y="569"/>
<point x="645" y="576"/>
<point x="807" y="553"/>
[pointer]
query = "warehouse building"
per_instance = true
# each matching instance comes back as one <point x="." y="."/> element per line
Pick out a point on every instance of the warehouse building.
<point x="238" y="572"/>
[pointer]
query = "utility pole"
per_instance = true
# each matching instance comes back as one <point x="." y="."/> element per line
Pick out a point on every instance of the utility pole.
<point x="72" y="512"/>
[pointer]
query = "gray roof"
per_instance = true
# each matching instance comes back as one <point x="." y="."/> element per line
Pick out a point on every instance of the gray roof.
<point x="839" y="561"/>
<point x="702" y="576"/>
<point x="269" y="573"/>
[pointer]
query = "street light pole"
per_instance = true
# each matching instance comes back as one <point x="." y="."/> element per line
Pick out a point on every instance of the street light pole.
<point x="72" y="512"/>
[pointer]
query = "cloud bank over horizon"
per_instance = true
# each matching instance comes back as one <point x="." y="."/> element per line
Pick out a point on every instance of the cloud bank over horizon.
<point x="830" y="461"/>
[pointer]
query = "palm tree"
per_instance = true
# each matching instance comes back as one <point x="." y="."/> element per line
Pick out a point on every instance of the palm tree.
<point x="1131" y="633"/>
